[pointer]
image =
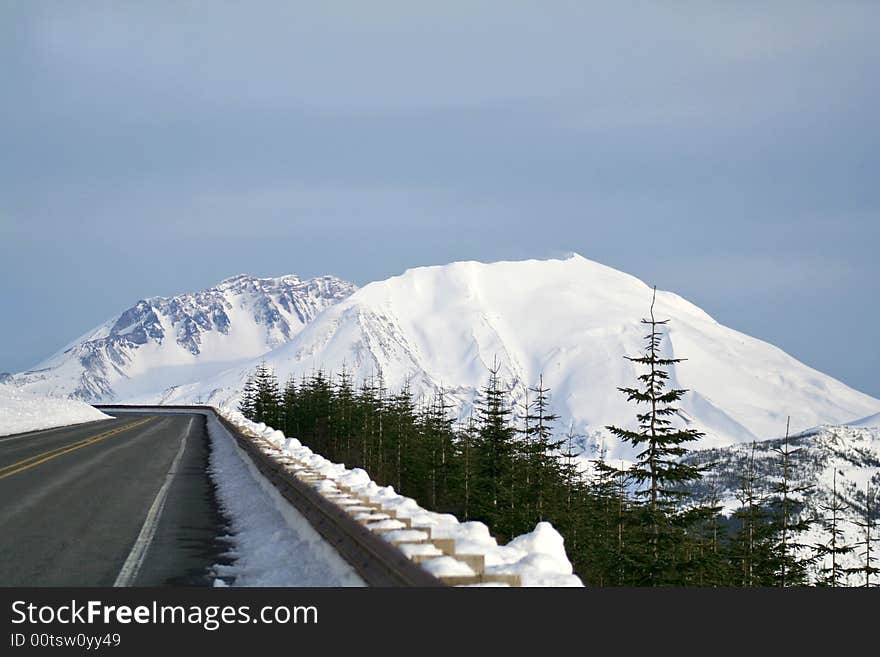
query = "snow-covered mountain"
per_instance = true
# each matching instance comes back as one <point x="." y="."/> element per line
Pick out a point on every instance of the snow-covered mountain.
<point x="162" y="342"/>
<point x="572" y="320"/>
<point x="852" y="451"/>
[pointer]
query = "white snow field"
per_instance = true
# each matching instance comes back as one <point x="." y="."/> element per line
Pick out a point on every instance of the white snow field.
<point x="273" y="544"/>
<point x="22" y="411"/>
<point x="538" y="558"/>
<point x="572" y="320"/>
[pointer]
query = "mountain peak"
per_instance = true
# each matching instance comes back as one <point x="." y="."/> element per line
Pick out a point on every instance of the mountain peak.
<point x="569" y="319"/>
<point x="155" y="342"/>
<point x="236" y="278"/>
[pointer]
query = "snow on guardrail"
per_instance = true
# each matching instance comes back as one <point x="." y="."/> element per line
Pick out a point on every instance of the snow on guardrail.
<point x="458" y="553"/>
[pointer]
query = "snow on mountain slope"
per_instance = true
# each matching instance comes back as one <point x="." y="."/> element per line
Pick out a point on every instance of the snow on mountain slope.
<point x="870" y="421"/>
<point x="21" y="411"/>
<point x="162" y="342"/>
<point x="572" y="320"/>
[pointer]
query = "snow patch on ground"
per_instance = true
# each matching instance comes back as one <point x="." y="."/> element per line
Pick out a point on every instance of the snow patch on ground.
<point x="22" y="411"/>
<point x="273" y="544"/>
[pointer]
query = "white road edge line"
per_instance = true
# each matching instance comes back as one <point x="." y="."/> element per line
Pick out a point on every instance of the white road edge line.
<point x="135" y="560"/>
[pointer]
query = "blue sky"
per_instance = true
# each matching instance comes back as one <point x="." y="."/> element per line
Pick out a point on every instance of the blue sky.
<point x="726" y="151"/>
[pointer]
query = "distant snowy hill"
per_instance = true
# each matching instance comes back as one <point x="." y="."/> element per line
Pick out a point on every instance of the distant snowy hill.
<point x="870" y="421"/>
<point x="162" y="342"/>
<point x="852" y="451"/>
<point x="572" y="320"/>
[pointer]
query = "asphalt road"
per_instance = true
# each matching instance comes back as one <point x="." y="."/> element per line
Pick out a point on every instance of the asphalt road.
<point x="119" y="502"/>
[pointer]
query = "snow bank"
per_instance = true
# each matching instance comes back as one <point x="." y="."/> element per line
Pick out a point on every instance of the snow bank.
<point x="537" y="558"/>
<point x="22" y="411"/>
<point x="273" y="544"/>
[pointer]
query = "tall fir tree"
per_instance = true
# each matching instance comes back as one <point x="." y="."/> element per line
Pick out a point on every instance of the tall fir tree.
<point x="247" y="406"/>
<point x="266" y="396"/>
<point x="401" y="431"/>
<point x="659" y="473"/>
<point x="494" y="452"/>
<point x="830" y="553"/>
<point x="541" y="448"/>
<point x="791" y="569"/>
<point x="752" y="546"/>
<point x="865" y="547"/>
<point x="343" y="422"/>
<point x="290" y="418"/>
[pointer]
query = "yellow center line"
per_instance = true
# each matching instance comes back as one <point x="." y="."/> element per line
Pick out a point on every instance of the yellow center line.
<point x="84" y="441"/>
<point x="30" y="462"/>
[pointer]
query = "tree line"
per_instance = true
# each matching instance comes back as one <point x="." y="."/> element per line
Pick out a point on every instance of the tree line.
<point x="508" y="466"/>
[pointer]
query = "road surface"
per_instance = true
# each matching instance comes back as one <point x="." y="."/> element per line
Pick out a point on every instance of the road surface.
<point x="125" y="502"/>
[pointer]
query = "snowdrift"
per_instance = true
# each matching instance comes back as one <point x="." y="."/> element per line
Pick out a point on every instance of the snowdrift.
<point x="21" y="411"/>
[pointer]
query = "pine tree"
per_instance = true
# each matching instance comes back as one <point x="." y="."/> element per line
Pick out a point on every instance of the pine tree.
<point x="266" y="396"/>
<point x="343" y="429"/>
<point x="866" y="546"/>
<point x="752" y="546"/>
<point x="659" y="473"/>
<point x="436" y="445"/>
<point x="613" y="555"/>
<point x="574" y="510"/>
<point x="401" y="431"/>
<point x="791" y="570"/>
<point x="289" y="424"/>
<point x="709" y="565"/>
<point x="465" y="442"/>
<point x="320" y="411"/>
<point x="833" y="575"/>
<point x="494" y="452"/>
<point x="525" y="463"/>
<point x="247" y="406"/>
<point x="543" y="465"/>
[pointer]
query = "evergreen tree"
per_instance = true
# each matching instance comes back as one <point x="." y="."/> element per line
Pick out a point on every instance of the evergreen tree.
<point x="866" y="546"/>
<point x="289" y="416"/>
<point x="343" y="428"/>
<point x="791" y="570"/>
<point x="835" y="548"/>
<point x="247" y="406"/>
<point x="525" y="464"/>
<point x="494" y="452"/>
<point x="434" y="451"/>
<point x="466" y="438"/>
<point x="709" y="565"/>
<point x="659" y="473"/>
<point x="543" y="464"/>
<point x="752" y="546"/>
<point x="401" y="431"/>
<point x="266" y="397"/>
<point x="613" y="556"/>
